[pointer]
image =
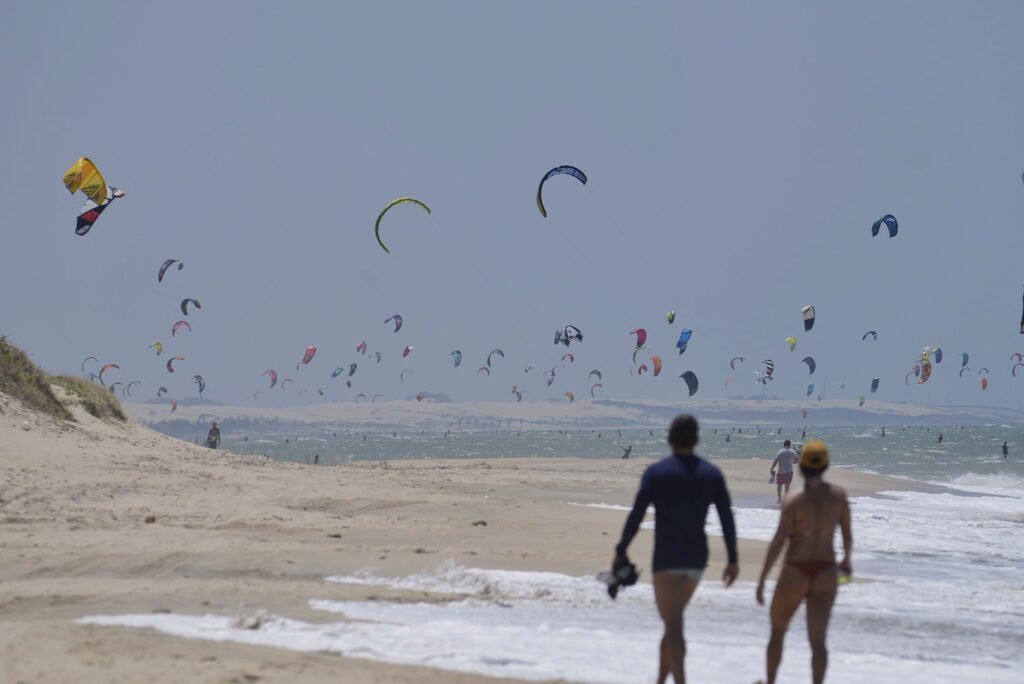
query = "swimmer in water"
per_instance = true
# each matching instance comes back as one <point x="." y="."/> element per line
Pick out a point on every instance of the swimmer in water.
<point x="809" y="574"/>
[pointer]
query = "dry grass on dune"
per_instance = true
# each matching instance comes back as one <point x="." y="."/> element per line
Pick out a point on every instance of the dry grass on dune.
<point x="96" y="400"/>
<point x="23" y="380"/>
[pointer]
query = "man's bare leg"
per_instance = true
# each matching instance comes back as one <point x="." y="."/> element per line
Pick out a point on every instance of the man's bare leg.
<point x="790" y="590"/>
<point x="819" y="609"/>
<point x="672" y="593"/>
<point x="778" y="489"/>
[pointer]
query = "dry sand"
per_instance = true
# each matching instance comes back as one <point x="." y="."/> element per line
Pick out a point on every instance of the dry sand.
<point x="235" y="534"/>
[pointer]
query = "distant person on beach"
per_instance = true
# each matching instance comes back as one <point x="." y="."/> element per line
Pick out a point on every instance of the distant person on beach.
<point x="681" y="487"/>
<point x="785" y="460"/>
<point x="808" y="523"/>
<point x="1006" y="450"/>
<point x="626" y="451"/>
<point x="213" y="437"/>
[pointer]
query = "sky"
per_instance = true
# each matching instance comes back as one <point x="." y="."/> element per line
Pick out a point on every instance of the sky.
<point x="736" y="154"/>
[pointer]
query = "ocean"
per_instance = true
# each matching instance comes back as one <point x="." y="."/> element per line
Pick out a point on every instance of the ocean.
<point x="941" y="596"/>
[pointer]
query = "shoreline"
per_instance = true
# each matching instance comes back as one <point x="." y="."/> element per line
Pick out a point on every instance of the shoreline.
<point x="235" y="534"/>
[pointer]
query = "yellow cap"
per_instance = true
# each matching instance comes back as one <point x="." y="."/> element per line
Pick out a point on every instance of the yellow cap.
<point x="814" y="455"/>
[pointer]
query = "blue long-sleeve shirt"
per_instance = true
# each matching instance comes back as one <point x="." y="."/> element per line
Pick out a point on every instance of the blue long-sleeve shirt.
<point x="682" y="488"/>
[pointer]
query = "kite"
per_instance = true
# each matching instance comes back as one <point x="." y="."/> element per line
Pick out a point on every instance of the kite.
<point x="419" y="397"/>
<point x="984" y="384"/>
<point x="401" y="376"/>
<point x="808" y="312"/>
<point x="567" y="355"/>
<point x="860" y="400"/>
<point x="398" y="324"/>
<point x="83" y="175"/>
<point x="870" y="333"/>
<point x="86" y="359"/>
<point x="641" y="336"/>
<point x="519" y="396"/>
<point x="938" y="355"/>
<point x="791" y="341"/>
<point x="874" y="385"/>
<point x="179" y="325"/>
<point x="568" y="334"/>
<point x="684" y="339"/>
<point x="637" y="351"/>
<point x="159" y="346"/>
<point x="725" y="385"/>
<point x="558" y="170"/>
<point x="811" y="365"/>
<point x="170" y="362"/>
<point x="671" y="317"/>
<point x="926" y="372"/>
<point x="597" y="384"/>
<point x="691" y="381"/>
<point x="1022" y="316"/>
<point x="408" y="350"/>
<point x="320" y="390"/>
<point x="352" y="369"/>
<point x="769" y="368"/>
<point x="493" y="352"/>
<point x="963" y="359"/>
<point x="484" y="369"/>
<point x="656" y="361"/>
<point x="571" y="395"/>
<point x="890" y="222"/>
<point x="1015" y="356"/>
<point x="285" y="381"/>
<point x="308" y="355"/>
<point x="337" y="371"/>
<point x="810" y="389"/>
<point x="186" y="302"/>
<point x="456" y="358"/>
<point x="161" y="391"/>
<point x="198" y="380"/>
<point x="983" y="370"/>
<point x="113" y="386"/>
<point x="375" y="397"/>
<point x="595" y="372"/>
<point x="732" y="364"/>
<point x="128" y="388"/>
<point x="528" y="368"/>
<point x="105" y="369"/>
<point x="1017" y="365"/>
<point x="273" y="377"/>
<point x="166" y="265"/>
<point x="361" y="347"/>
<point x="963" y="370"/>
<point x="174" y="406"/>
<point x="392" y="203"/>
<point x="378" y="356"/>
<point x="360" y="395"/>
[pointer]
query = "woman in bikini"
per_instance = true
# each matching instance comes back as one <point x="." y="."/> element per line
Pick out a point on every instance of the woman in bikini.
<point x="809" y="573"/>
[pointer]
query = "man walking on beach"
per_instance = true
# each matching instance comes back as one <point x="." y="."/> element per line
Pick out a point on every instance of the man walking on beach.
<point x="808" y="523"/>
<point x="784" y="460"/>
<point x="213" y="437"/>
<point x="681" y="488"/>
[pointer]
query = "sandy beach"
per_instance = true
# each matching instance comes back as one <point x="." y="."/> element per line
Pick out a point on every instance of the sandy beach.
<point x="233" y="535"/>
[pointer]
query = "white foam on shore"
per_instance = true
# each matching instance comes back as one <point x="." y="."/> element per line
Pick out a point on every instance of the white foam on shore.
<point x="945" y="605"/>
<point x="546" y="626"/>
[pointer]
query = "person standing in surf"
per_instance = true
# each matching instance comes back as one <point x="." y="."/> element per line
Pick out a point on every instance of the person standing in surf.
<point x="808" y="524"/>
<point x="1006" y="450"/>
<point x="681" y="487"/>
<point x="785" y="460"/>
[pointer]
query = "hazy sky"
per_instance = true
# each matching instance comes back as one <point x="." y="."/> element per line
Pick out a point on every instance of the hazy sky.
<point x="737" y="155"/>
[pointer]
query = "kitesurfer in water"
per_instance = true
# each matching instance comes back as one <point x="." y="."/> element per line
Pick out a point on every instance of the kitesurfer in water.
<point x="1006" y="450"/>
<point x="808" y="524"/>
<point x="681" y="487"/>
<point x="626" y="451"/>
